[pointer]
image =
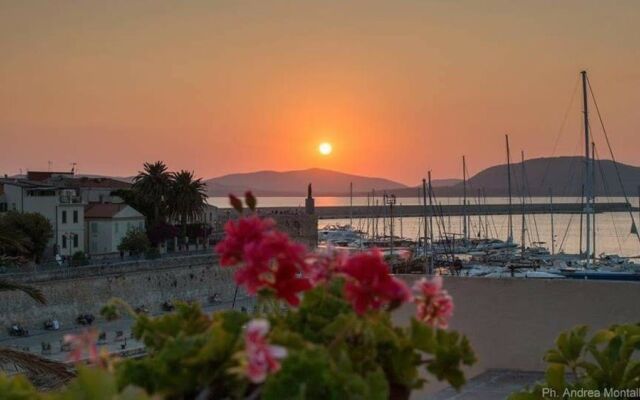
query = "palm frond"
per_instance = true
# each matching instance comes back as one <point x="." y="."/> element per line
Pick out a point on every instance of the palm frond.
<point x="33" y="292"/>
<point x="42" y="372"/>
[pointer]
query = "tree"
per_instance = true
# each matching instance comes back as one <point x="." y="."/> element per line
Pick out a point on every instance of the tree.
<point x="153" y="184"/>
<point x="187" y="199"/>
<point x="135" y="242"/>
<point x="32" y="231"/>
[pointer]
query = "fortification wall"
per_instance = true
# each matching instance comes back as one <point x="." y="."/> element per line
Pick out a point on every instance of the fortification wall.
<point x="72" y="291"/>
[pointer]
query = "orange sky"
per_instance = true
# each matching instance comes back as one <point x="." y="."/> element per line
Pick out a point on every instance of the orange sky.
<point x="398" y="87"/>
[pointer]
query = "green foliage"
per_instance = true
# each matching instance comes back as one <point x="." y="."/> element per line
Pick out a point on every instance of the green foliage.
<point x="152" y="253"/>
<point x="608" y="360"/>
<point x="29" y="233"/>
<point x="79" y="259"/>
<point x="17" y="388"/>
<point x="90" y="384"/>
<point x="135" y="242"/>
<point x="188" y="352"/>
<point x="373" y="343"/>
<point x="332" y="353"/>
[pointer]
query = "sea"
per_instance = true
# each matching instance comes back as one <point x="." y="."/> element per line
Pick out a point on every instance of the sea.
<point x="613" y="230"/>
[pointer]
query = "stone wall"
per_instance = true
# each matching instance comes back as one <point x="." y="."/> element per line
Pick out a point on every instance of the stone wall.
<point x="72" y="291"/>
<point x="512" y="322"/>
<point x="301" y="227"/>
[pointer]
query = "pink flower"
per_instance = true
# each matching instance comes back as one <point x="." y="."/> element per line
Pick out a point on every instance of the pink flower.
<point x="370" y="285"/>
<point x="262" y="358"/>
<point x="240" y="233"/>
<point x="81" y="342"/>
<point x="320" y="267"/>
<point x="434" y="305"/>
<point x="268" y="259"/>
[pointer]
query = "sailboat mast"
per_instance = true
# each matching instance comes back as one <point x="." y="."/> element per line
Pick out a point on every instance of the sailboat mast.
<point x="522" y="229"/>
<point x="464" y="199"/>
<point x="510" y="223"/>
<point x="553" y="234"/>
<point x="593" y="198"/>
<point x="431" y="224"/>
<point x="587" y="174"/>
<point x="351" y="204"/>
<point x="424" y="215"/>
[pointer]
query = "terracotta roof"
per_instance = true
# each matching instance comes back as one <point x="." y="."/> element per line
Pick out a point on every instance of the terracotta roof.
<point x="86" y="182"/>
<point x="44" y="175"/>
<point x="103" y="210"/>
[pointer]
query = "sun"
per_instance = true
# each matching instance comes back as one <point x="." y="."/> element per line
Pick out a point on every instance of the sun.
<point x="325" y="148"/>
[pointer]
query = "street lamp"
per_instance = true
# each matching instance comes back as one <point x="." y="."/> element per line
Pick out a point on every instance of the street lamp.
<point x="390" y="200"/>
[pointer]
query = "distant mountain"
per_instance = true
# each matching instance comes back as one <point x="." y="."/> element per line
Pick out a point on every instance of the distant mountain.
<point x="562" y="175"/>
<point x="294" y="183"/>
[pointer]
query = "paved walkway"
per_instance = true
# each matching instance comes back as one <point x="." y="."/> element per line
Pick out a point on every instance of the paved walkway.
<point x="493" y="384"/>
<point x="124" y="344"/>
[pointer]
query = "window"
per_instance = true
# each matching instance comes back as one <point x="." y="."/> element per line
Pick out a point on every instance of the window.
<point x="75" y="216"/>
<point x="3" y="207"/>
<point x="94" y="229"/>
<point x="75" y="241"/>
<point x="64" y="217"/>
<point x="117" y="227"/>
<point x="64" y="242"/>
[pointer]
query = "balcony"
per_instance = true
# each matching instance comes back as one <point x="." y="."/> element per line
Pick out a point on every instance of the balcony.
<point x="68" y="199"/>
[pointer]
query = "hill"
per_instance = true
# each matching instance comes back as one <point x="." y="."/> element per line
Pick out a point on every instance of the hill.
<point x="562" y="175"/>
<point x="294" y="183"/>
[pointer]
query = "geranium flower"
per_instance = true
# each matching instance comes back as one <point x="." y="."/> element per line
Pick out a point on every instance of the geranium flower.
<point x="240" y="233"/>
<point x="370" y="285"/>
<point x="434" y="305"/>
<point x="85" y="341"/>
<point x="268" y="259"/>
<point x="322" y="266"/>
<point x="262" y="358"/>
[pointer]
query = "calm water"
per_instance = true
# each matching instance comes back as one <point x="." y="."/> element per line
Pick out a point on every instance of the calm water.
<point x="612" y="229"/>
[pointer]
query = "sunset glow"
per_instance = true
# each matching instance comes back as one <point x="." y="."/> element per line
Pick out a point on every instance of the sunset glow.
<point x="222" y="87"/>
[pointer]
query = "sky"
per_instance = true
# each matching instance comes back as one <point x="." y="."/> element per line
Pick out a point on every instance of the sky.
<point x="397" y="87"/>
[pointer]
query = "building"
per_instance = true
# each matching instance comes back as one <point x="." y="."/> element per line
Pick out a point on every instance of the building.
<point x="63" y="207"/>
<point x="107" y="224"/>
<point x="61" y="197"/>
<point x="92" y="190"/>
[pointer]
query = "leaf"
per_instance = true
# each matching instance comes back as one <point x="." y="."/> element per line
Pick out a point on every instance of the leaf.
<point x="422" y="336"/>
<point x="555" y="377"/>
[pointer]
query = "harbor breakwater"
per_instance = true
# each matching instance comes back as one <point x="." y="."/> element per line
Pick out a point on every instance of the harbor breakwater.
<point x="337" y="212"/>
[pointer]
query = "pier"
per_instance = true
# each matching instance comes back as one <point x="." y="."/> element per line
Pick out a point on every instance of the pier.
<point x="341" y="212"/>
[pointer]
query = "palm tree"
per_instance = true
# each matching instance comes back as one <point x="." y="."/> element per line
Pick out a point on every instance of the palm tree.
<point x="33" y="292"/>
<point x="187" y="199"/>
<point x="11" y="240"/>
<point x="153" y="184"/>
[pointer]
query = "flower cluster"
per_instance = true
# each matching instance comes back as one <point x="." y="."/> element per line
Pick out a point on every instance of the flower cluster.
<point x="323" y="266"/>
<point x="369" y="283"/>
<point x="261" y="357"/>
<point x="268" y="259"/>
<point x="85" y="341"/>
<point x="434" y="305"/>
